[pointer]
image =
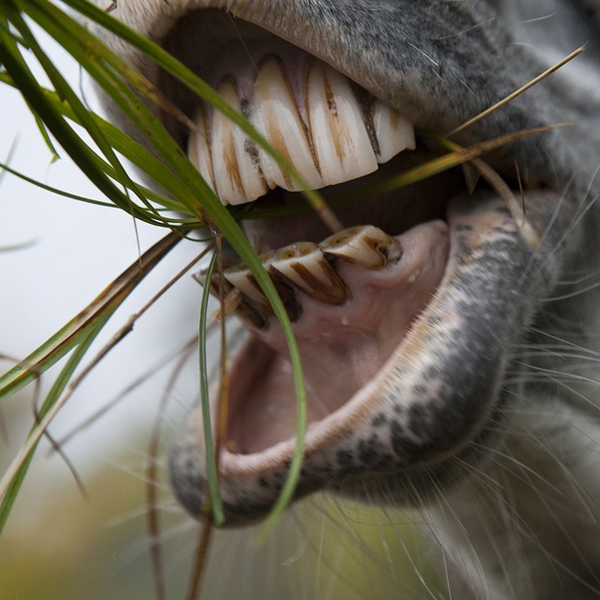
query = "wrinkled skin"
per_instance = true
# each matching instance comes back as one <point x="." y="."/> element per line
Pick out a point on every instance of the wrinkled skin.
<point x="487" y="422"/>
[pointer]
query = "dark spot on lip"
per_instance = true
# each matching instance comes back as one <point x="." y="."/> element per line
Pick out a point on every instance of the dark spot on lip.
<point x="401" y="445"/>
<point x="419" y="389"/>
<point x="380" y="419"/>
<point x="462" y="227"/>
<point x="368" y="450"/>
<point x="345" y="458"/>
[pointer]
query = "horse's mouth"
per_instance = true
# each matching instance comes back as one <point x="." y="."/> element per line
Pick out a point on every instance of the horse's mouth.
<point x="401" y="319"/>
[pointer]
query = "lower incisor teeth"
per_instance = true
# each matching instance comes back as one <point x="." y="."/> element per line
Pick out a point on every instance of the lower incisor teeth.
<point x="363" y="245"/>
<point x="305" y="266"/>
<point x="241" y="278"/>
<point x="308" y="267"/>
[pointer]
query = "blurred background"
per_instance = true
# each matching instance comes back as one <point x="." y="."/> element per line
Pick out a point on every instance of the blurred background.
<point x="65" y="543"/>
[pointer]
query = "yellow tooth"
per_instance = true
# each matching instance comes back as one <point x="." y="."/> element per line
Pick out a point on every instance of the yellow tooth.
<point x="237" y="175"/>
<point x="276" y="115"/>
<point x="363" y="245"/>
<point x="394" y="132"/>
<point x="304" y="265"/>
<point x="337" y="126"/>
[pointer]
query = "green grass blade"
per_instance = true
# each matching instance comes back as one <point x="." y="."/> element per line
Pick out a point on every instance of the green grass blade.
<point x="4" y="168"/>
<point x="65" y="91"/>
<point x="69" y="140"/>
<point x="57" y="389"/>
<point x="199" y="199"/>
<point x="75" y="330"/>
<point x="216" y="505"/>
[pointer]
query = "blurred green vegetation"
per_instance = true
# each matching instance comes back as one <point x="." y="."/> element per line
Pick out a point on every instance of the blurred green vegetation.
<point x="60" y="545"/>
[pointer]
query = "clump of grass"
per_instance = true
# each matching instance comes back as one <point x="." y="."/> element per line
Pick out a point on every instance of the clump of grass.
<point x="188" y="204"/>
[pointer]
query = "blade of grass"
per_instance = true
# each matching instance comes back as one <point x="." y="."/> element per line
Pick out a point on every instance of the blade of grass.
<point x="516" y="209"/>
<point x="216" y="505"/>
<point x="204" y="91"/>
<point x="68" y="139"/>
<point x="516" y="93"/>
<point x="4" y="168"/>
<point x="13" y="478"/>
<point x="75" y="330"/>
<point x="65" y="91"/>
<point x="455" y="158"/>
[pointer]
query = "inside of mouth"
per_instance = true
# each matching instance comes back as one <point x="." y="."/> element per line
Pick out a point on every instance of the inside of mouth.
<point x="349" y="314"/>
<point x="345" y="340"/>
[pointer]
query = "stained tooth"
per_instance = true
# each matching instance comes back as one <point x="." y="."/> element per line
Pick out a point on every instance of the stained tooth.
<point x="241" y="278"/>
<point x="287" y="294"/>
<point x="330" y="134"/>
<point x="236" y="173"/>
<point x="254" y="304"/>
<point x="198" y="150"/>
<point x="393" y="131"/>
<point x="363" y="245"/>
<point x="253" y="312"/>
<point x="277" y="117"/>
<point x="304" y="265"/>
<point x="337" y="127"/>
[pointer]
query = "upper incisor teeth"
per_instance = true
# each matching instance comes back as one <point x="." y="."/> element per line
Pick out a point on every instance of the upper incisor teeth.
<point x="327" y="141"/>
<point x="337" y="127"/>
<point x="276" y="114"/>
<point x="393" y="131"/>
<point x="237" y="176"/>
<point x="199" y="151"/>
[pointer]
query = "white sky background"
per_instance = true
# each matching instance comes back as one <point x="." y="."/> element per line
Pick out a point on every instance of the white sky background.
<point x="77" y="250"/>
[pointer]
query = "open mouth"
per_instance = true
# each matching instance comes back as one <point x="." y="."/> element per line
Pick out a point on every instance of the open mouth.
<point x="402" y="317"/>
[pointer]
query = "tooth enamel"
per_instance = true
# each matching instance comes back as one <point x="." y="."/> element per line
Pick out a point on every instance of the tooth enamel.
<point x="198" y="151"/>
<point x="254" y="305"/>
<point x="304" y="265"/>
<point x="337" y="127"/>
<point x="316" y="122"/>
<point x="276" y="114"/>
<point x="363" y="245"/>
<point x="394" y="132"/>
<point x="241" y="278"/>
<point x="236" y="173"/>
